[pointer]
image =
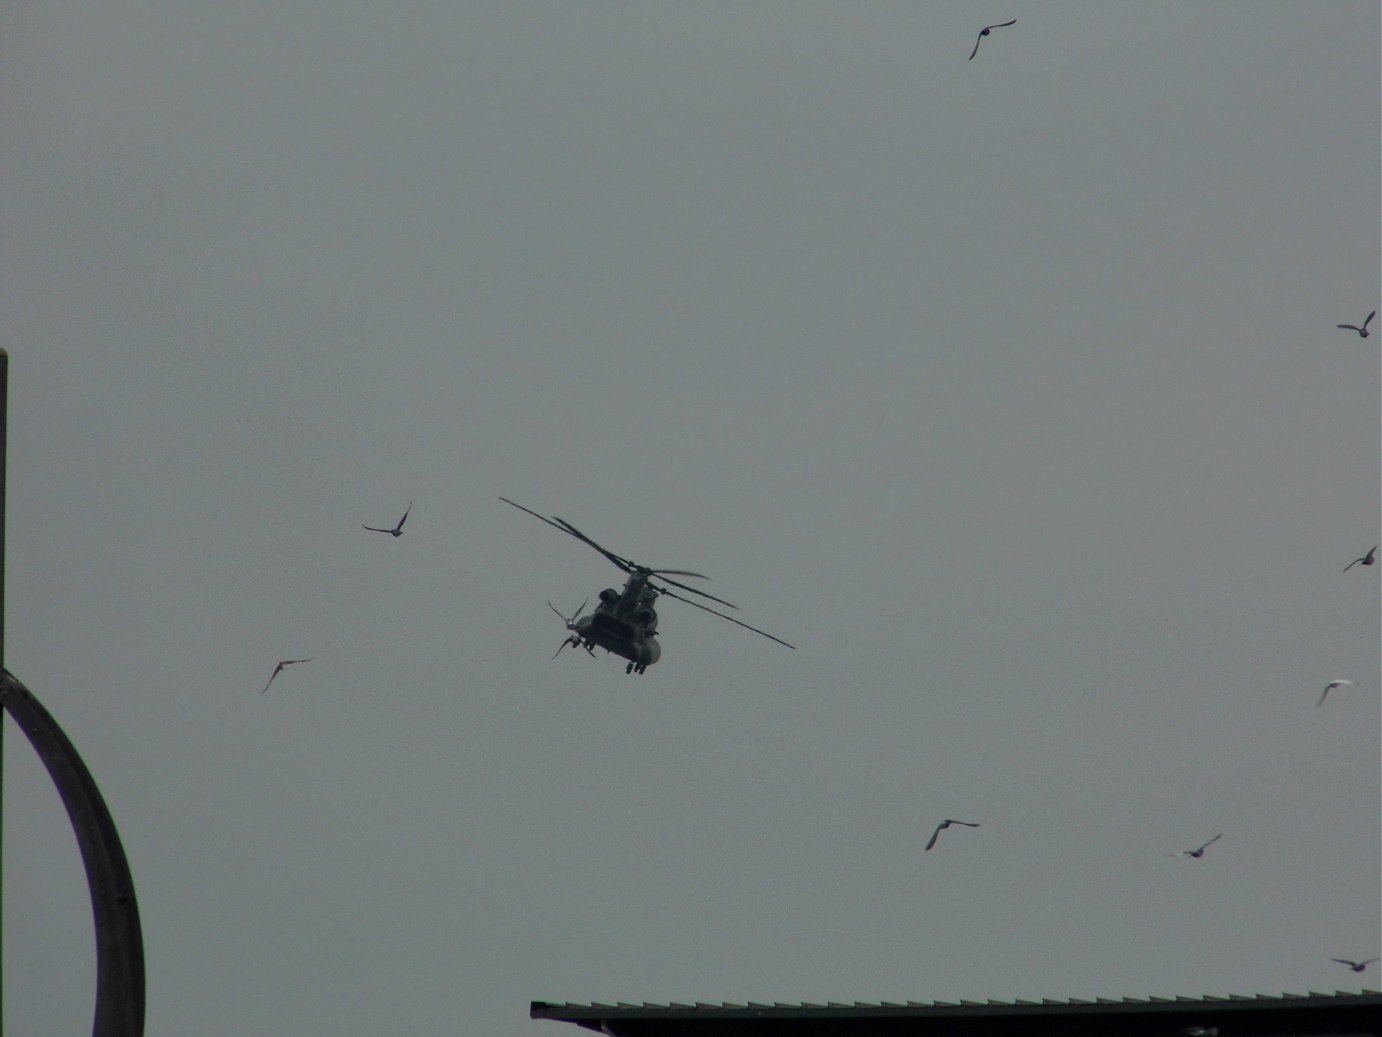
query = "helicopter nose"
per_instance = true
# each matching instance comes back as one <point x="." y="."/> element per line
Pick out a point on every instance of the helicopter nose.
<point x="649" y="652"/>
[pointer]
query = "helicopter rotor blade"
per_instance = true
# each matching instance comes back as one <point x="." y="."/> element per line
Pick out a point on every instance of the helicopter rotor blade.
<point x="705" y="608"/>
<point x="629" y="566"/>
<point x="571" y="530"/>
<point x="622" y="563"/>
<point x="533" y="513"/>
<point x="569" y="620"/>
<point x="703" y="594"/>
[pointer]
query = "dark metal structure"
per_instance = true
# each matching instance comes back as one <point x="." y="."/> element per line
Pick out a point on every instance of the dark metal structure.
<point x="1287" y="1015"/>
<point x="119" y="939"/>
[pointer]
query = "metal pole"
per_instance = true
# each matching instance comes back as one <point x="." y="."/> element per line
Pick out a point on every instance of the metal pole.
<point x="4" y="424"/>
<point x="119" y="938"/>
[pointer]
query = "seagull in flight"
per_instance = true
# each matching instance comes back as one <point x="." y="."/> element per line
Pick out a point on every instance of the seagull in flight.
<point x="1003" y="25"/>
<point x="1356" y="966"/>
<point x="1367" y="559"/>
<point x="944" y="825"/>
<point x="397" y="530"/>
<point x="279" y="669"/>
<point x="1198" y="852"/>
<point x="1330" y="687"/>
<point x="1362" y="332"/>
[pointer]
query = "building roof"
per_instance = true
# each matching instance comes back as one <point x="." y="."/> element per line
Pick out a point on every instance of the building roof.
<point x="1340" y="1014"/>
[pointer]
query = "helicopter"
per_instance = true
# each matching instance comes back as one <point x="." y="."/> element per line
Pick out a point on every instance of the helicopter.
<point x="624" y="623"/>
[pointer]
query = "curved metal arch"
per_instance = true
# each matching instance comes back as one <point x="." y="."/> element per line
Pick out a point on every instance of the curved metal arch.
<point x="119" y="939"/>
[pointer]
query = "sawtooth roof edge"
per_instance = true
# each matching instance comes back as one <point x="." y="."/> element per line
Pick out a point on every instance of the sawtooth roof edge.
<point x="595" y="1009"/>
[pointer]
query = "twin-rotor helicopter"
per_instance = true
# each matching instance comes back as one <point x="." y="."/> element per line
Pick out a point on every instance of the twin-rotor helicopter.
<point x="624" y="623"/>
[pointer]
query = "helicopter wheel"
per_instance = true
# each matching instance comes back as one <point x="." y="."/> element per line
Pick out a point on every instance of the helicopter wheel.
<point x="628" y="668"/>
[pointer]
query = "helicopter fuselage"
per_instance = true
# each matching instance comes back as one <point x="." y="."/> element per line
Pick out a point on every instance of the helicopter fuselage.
<point x="623" y="624"/>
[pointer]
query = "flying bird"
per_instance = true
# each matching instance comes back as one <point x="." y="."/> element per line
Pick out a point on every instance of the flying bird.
<point x="279" y="669"/>
<point x="1198" y="852"/>
<point x="944" y="825"/>
<point x="397" y="530"/>
<point x="1367" y="559"/>
<point x="1362" y="332"/>
<point x="1003" y="25"/>
<point x="1328" y="688"/>
<point x="1356" y="966"/>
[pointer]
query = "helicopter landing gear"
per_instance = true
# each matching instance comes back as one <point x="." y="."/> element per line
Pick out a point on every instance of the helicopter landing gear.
<point x="635" y="668"/>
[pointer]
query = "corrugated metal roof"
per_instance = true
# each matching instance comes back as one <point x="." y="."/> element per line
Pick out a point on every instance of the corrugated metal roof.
<point x="552" y="1009"/>
<point x="1311" y="1014"/>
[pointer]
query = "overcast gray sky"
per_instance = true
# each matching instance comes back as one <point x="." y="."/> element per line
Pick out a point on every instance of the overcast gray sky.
<point x="1009" y="390"/>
